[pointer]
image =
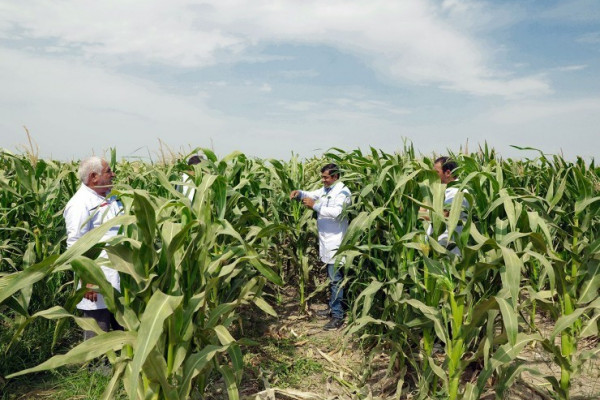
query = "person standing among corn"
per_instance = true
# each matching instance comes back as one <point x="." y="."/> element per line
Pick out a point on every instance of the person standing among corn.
<point x="86" y="210"/>
<point x="445" y="168"/>
<point x="329" y="202"/>
<point x="188" y="188"/>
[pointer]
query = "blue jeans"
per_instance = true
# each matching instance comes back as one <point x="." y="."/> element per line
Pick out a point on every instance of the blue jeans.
<point x="337" y="291"/>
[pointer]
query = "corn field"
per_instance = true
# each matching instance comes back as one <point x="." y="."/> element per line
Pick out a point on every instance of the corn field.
<point x="452" y="325"/>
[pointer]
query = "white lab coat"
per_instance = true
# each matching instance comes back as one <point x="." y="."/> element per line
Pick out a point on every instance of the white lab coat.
<point x="443" y="239"/>
<point x="85" y="211"/>
<point x="189" y="188"/>
<point x="331" y="226"/>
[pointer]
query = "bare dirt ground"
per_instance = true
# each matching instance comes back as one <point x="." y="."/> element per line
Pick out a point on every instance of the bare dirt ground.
<point x="296" y="359"/>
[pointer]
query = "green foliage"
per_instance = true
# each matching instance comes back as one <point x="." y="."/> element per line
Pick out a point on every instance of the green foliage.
<point x="529" y="244"/>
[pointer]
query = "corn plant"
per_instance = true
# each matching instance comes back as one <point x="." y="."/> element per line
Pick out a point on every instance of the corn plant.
<point x="185" y="271"/>
<point x="529" y="247"/>
<point x="471" y="305"/>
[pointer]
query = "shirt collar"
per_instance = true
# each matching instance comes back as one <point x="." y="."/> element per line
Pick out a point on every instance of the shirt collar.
<point x="91" y="191"/>
<point x="328" y="189"/>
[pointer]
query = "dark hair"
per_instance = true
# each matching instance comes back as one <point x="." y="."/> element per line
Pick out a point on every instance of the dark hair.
<point x="447" y="164"/>
<point x="194" y="160"/>
<point x="332" y="169"/>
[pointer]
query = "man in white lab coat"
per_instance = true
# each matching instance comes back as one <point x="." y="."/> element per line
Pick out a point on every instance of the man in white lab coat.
<point x="86" y="210"/>
<point x="445" y="168"/>
<point x="329" y="202"/>
<point x="188" y="189"/>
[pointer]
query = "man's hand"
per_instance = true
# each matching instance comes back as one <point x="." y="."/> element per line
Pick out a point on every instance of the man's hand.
<point x="294" y="194"/>
<point x="423" y="214"/>
<point x="308" y="202"/>
<point x="91" y="295"/>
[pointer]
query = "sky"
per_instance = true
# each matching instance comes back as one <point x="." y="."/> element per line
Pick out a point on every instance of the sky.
<point x="276" y="78"/>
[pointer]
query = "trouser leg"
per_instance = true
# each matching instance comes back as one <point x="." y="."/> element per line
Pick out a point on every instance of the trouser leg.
<point x="337" y="291"/>
<point x="102" y="317"/>
<point x="114" y="325"/>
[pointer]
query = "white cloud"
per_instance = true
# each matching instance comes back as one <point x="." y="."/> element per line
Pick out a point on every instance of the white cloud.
<point x="571" y="68"/>
<point x="349" y="107"/>
<point x="510" y="88"/>
<point x="524" y="112"/>
<point x="560" y="126"/>
<point x="298" y="105"/>
<point x="304" y="73"/>
<point x="71" y="108"/>
<point x="412" y="40"/>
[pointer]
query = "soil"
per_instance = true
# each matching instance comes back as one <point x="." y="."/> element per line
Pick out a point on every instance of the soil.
<point x="295" y="337"/>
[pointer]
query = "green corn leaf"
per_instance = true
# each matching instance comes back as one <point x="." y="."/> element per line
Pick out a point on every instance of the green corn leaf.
<point x="504" y="355"/>
<point x="548" y="269"/>
<point x="113" y="385"/>
<point x="455" y="212"/>
<point x="237" y="360"/>
<point x="224" y="336"/>
<point x="146" y="216"/>
<point x="209" y="154"/>
<point x="580" y="206"/>
<point x="591" y="283"/>
<point x="263" y="305"/>
<point x="470" y="392"/>
<point x="86" y="351"/>
<point x="13" y="304"/>
<point x="566" y="321"/>
<point x="164" y="180"/>
<point x="203" y="193"/>
<point x="559" y="194"/>
<point x="91" y="238"/>
<point x="230" y="382"/>
<point x="509" y="319"/>
<point x="121" y="259"/>
<point x="508" y="377"/>
<point x="362" y="322"/>
<point x="220" y="196"/>
<point x="159" y="308"/>
<point x="196" y="363"/>
<point x="10" y="284"/>
<point x="432" y="314"/>
<point x="438" y="371"/>
<point x="368" y="293"/>
<point x="360" y="224"/>
<point x="227" y="229"/>
<point x="155" y="369"/>
<point x="57" y="312"/>
<point x="511" y="274"/>
<point x="434" y="267"/>
<point x="265" y="270"/>
<point x="218" y="313"/>
<point x="590" y="328"/>
<point x="90" y="272"/>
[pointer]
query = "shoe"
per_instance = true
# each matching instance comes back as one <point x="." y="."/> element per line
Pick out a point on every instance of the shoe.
<point x="323" y="313"/>
<point x="333" y="324"/>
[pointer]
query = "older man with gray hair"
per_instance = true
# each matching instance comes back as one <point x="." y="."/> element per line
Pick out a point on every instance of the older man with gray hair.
<point x="86" y="210"/>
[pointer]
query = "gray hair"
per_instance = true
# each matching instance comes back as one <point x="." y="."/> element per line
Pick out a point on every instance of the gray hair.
<point x="87" y="166"/>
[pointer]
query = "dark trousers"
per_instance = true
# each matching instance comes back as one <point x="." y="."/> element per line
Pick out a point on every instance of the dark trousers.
<point x="337" y="291"/>
<point x="105" y="319"/>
